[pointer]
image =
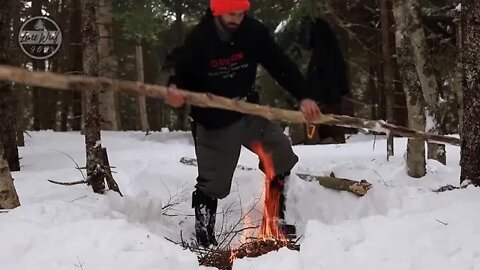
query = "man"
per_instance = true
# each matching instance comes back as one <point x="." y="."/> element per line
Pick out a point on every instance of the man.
<point x="220" y="56"/>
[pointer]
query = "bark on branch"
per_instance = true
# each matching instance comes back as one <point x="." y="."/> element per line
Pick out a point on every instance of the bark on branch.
<point x="359" y="188"/>
<point x="79" y="82"/>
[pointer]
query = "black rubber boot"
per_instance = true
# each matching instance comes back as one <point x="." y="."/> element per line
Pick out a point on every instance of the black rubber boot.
<point x="278" y="182"/>
<point x="205" y="217"/>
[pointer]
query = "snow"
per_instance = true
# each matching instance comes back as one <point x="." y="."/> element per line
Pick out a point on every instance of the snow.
<point x="430" y="122"/>
<point x="459" y="7"/>
<point x="399" y="224"/>
<point x="281" y="26"/>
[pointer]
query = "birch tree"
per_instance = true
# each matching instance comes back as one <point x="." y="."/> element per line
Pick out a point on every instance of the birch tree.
<point x="470" y="151"/>
<point x="416" y="163"/>
<point x="435" y="108"/>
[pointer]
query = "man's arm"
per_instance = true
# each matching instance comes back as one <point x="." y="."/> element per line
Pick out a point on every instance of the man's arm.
<point x="185" y="76"/>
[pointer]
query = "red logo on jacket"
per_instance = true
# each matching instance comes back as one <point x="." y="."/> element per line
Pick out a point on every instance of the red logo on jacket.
<point x="223" y="62"/>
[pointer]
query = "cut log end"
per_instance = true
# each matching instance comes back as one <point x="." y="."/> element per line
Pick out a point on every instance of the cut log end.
<point x="359" y="188"/>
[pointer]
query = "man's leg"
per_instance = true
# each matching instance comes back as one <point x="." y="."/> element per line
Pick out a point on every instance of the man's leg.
<point x="217" y="155"/>
<point x="274" y="141"/>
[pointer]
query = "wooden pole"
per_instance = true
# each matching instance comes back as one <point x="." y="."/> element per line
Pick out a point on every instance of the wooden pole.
<point x="80" y="82"/>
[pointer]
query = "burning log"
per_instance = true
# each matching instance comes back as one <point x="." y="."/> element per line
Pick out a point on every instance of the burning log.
<point x="78" y="83"/>
<point x="223" y="258"/>
<point x="260" y="247"/>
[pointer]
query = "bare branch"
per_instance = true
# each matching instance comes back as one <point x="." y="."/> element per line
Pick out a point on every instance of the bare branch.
<point x="76" y="164"/>
<point x="444" y="223"/>
<point x="83" y="197"/>
<point x="68" y="183"/>
<point x="80" y="264"/>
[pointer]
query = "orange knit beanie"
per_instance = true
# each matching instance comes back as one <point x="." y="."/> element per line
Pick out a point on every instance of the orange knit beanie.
<point x="219" y="7"/>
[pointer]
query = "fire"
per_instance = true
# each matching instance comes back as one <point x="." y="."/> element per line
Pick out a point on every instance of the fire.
<point x="270" y="226"/>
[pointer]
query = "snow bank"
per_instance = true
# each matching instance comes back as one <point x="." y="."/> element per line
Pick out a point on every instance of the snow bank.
<point x="84" y="234"/>
<point x="399" y="224"/>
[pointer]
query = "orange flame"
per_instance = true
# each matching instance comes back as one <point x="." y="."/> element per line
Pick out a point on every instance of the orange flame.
<point x="271" y="207"/>
<point x="233" y="255"/>
<point x="269" y="229"/>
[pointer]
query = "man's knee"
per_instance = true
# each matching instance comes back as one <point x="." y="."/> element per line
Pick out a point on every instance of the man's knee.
<point x="215" y="188"/>
<point x="284" y="159"/>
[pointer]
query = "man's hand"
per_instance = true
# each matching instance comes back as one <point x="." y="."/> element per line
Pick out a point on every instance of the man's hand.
<point x="309" y="109"/>
<point x="174" y="97"/>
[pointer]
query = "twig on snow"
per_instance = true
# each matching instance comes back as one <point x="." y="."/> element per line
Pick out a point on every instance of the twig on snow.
<point x="68" y="183"/>
<point x="444" y="223"/>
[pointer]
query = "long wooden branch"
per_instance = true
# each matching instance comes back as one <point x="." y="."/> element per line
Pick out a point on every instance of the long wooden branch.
<point x="79" y="82"/>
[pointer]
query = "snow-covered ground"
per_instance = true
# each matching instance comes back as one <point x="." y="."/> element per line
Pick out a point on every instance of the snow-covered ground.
<point x="399" y="224"/>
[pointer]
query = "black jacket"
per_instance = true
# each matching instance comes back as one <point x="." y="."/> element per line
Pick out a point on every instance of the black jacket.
<point x="327" y="72"/>
<point x="228" y="69"/>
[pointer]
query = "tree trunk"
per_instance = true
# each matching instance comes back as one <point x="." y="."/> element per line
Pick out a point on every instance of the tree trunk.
<point x="416" y="163"/>
<point x="400" y="110"/>
<point x="142" y="105"/>
<point x="8" y="129"/>
<point x="19" y="90"/>
<point x="372" y="89"/>
<point x="8" y="194"/>
<point x="19" y="93"/>
<point x="388" y="70"/>
<point x="47" y="98"/>
<point x="92" y="118"/>
<point x="76" y="64"/>
<point x="38" y="65"/>
<point x="65" y="99"/>
<point x="423" y="64"/>
<point x="107" y="65"/>
<point x="470" y="151"/>
<point x="457" y="87"/>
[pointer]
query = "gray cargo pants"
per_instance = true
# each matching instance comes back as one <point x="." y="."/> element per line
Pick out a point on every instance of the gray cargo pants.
<point x="218" y="151"/>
